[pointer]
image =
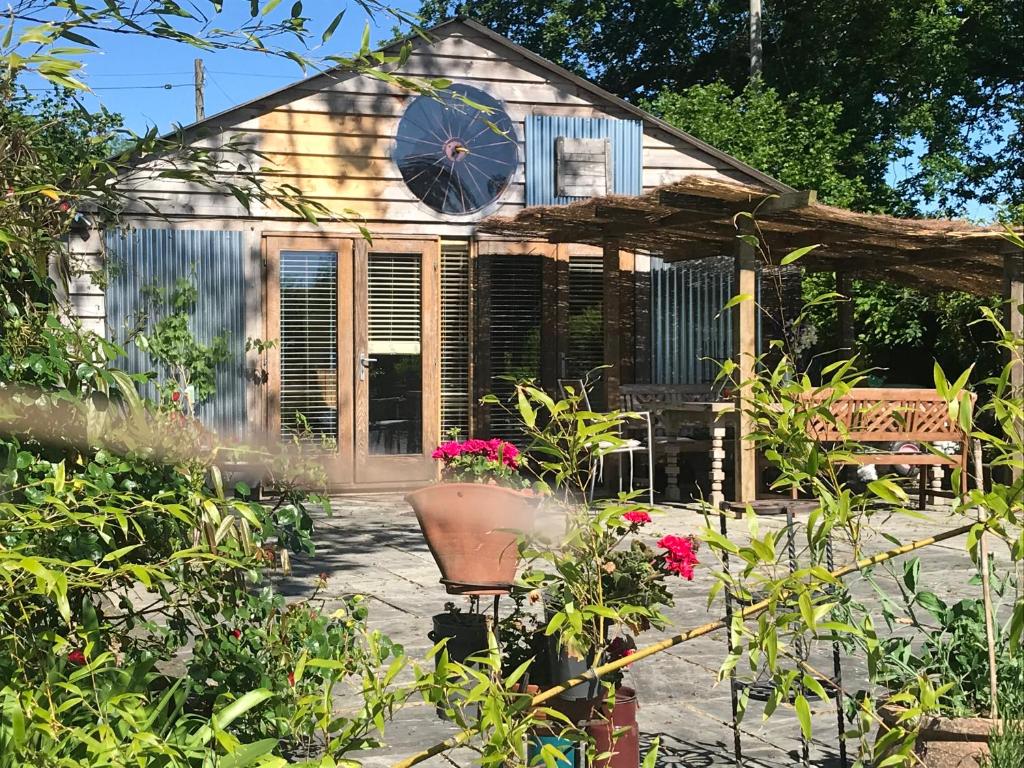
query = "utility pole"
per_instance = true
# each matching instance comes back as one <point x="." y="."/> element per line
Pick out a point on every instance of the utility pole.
<point x="200" y="110"/>
<point x="756" y="52"/>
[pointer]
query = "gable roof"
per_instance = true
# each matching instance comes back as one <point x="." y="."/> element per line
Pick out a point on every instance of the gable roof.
<point x="282" y="96"/>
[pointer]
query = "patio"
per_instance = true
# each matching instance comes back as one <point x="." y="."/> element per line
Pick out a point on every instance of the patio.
<point x="371" y="545"/>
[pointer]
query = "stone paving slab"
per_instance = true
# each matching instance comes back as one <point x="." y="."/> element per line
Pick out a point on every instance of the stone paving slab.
<point x="372" y="545"/>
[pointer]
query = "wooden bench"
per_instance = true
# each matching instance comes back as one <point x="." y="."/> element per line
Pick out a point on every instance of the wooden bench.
<point x="866" y="415"/>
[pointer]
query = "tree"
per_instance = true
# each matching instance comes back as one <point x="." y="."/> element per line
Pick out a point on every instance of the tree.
<point x="797" y="141"/>
<point x="936" y="81"/>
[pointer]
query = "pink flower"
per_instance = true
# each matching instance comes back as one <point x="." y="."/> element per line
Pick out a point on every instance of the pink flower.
<point x="681" y="555"/>
<point x="637" y="517"/>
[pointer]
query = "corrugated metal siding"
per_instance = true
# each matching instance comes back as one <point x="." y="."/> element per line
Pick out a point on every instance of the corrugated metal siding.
<point x="626" y="138"/>
<point x="159" y="257"/>
<point x="689" y="333"/>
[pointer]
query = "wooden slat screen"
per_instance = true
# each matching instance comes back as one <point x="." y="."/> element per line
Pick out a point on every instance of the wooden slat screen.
<point x="309" y="341"/>
<point x="585" y="349"/>
<point x="516" y="284"/>
<point x="455" y="330"/>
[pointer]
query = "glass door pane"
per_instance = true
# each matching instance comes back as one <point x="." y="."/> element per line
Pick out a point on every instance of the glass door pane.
<point x="394" y="348"/>
<point x="308" y="338"/>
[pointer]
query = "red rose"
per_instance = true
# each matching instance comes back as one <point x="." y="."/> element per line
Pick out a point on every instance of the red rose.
<point x="637" y="517"/>
<point x="175" y="397"/>
<point x="236" y="633"/>
<point x="77" y="658"/>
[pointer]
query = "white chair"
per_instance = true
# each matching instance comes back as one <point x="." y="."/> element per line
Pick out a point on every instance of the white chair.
<point x="629" y="445"/>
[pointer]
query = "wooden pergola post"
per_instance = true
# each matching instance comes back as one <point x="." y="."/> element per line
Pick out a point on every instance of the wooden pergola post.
<point x="1013" y="294"/>
<point x="744" y="340"/>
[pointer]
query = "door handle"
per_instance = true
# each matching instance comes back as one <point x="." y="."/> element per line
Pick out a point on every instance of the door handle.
<point x="364" y="365"/>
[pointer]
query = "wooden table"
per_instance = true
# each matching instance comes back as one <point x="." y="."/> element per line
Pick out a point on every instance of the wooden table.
<point x="715" y="416"/>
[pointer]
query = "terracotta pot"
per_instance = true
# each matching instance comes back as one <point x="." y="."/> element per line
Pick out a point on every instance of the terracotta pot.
<point x="472" y="531"/>
<point x="948" y="742"/>
<point x="617" y="732"/>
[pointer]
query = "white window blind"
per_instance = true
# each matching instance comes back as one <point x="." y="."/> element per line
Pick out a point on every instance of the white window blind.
<point x="309" y="341"/>
<point x="393" y="287"/>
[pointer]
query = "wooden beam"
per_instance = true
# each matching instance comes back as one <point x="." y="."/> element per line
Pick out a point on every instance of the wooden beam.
<point x="768" y="204"/>
<point x="744" y="339"/>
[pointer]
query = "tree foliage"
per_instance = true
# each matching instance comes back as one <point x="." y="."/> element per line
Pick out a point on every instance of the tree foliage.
<point x="798" y="141"/>
<point x="936" y="80"/>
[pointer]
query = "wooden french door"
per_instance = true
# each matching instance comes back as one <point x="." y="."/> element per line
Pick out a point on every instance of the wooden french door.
<point x="309" y="315"/>
<point x="357" y="357"/>
<point x="397" y="360"/>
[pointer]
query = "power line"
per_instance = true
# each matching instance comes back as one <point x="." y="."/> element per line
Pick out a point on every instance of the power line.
<point x="165" y="86"/>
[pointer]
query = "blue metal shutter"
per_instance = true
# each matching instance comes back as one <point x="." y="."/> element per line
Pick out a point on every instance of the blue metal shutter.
<point x="626" y="137"/>
<point x="690" y="335"/>
<point x="213" y="260"/>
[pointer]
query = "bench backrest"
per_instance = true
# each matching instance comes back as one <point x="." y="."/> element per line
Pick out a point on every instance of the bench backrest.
<point x="640" y="397"/>
<point x="869" y="415"/>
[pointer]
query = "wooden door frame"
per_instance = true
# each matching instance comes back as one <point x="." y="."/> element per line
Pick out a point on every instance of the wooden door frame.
<point x="408" y="469"/>
<point x="340" y="466"/>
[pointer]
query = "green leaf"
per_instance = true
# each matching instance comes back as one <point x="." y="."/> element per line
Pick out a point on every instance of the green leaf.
<point x="248" y="754"/>
<point x="270" y="6"/>
<point x="737" y="299"/>
<point x="332" y="27"/>
<point x="792" y="256"/>
<point x="803" y="714"/>
<point x="239" y="707"/>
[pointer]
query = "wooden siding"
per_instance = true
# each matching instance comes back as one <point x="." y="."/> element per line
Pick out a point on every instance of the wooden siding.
<point x="331" y="137"/>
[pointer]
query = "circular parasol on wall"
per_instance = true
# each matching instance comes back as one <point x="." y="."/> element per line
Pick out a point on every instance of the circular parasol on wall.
<point x="454" y="156"/>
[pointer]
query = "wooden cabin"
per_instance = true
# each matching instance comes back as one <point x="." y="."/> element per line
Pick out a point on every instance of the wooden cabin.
<point x="387" y="345"/>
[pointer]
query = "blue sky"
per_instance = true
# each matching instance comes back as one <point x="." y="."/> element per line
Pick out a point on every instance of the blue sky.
<point x="128" y="77"/>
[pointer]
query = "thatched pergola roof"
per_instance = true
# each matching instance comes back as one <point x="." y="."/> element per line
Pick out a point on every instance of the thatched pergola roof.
<point x="697" y="217"/>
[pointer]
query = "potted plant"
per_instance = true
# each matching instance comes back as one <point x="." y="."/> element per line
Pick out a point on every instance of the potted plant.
<point x="940" y="676"/>
<point x="473" y="518"/>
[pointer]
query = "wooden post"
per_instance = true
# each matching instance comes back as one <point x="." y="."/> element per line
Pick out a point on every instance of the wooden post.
<point x="844" y="287"/>
<point x="612" y="329"/>
<point x="756" y="50"/>
<point x="744" y="340"/>
<point x="199" y="83"/>
<point x="1013" y="294"/>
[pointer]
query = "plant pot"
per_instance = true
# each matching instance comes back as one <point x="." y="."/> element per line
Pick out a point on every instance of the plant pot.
<point x="472" y="531"/>
<point x="948" y="742"/>
<point x="466" y="634"/>
<point x="617" y="732"/>
<point x="564" y="667"/>
<point x="541" y="736"/>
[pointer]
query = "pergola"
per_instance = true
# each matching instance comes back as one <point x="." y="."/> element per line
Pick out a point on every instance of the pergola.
<point x="700" y="216"/>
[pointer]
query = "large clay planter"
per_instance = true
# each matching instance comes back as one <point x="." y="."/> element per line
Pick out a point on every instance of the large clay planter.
<point x="949" y="742"/>
<point x="472" y="531"/>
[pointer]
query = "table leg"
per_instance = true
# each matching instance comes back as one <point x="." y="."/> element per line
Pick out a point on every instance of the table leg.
<point x="717" y="474"/>
<point x="672" y="490"/>
<point x="936" y="476"/>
